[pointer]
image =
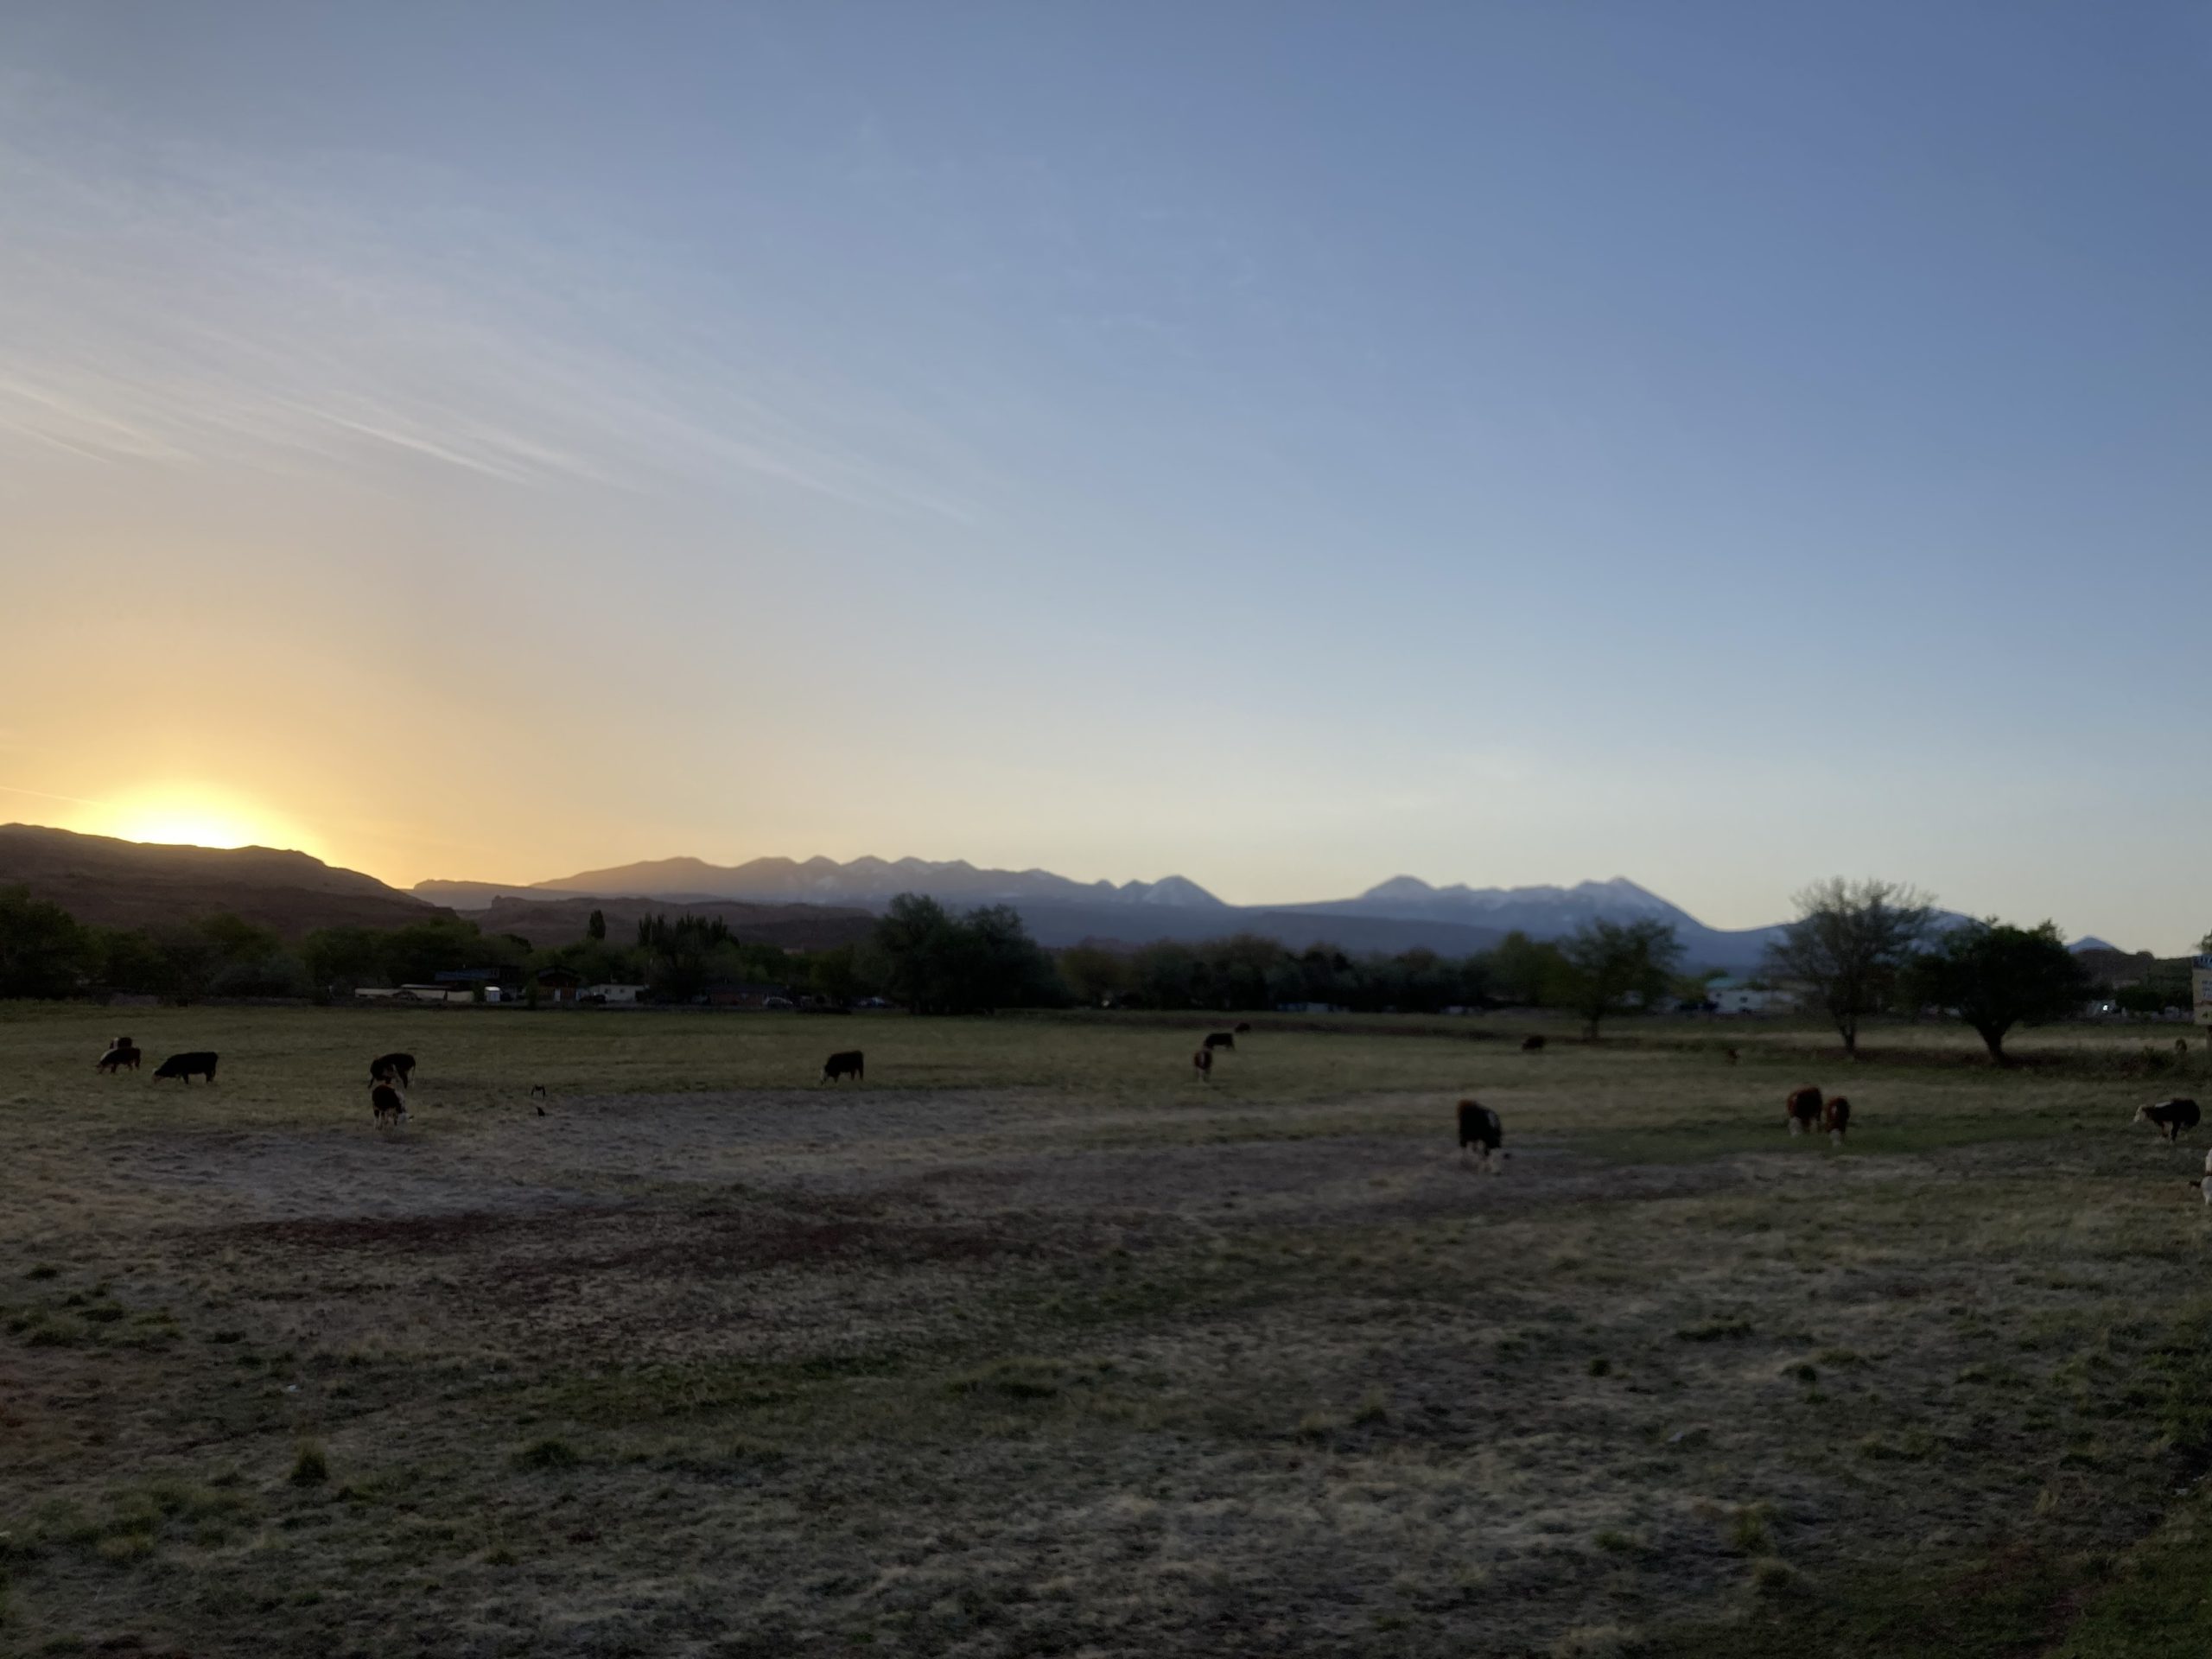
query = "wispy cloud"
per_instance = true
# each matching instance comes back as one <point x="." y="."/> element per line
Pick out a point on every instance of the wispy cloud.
<point x="168" y="304"/>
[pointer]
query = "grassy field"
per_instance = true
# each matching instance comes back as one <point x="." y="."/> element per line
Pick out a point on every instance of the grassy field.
<point x="1035" y="1344"/>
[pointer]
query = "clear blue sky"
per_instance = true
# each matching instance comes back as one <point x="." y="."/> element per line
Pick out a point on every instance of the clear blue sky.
<point x="1725" y="445"/>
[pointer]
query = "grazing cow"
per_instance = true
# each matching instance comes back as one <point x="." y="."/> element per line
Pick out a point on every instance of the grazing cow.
<point x="2173" y="1118"/>
<point x="838" y="1065"/>
<point x="184" y="1066"/>
<point x="537" y="1091"/>
<point x="1835" y="1118"/>
<point x="387" y="1067"/>
<point x="1220" y="1039"/>
<point x="1203" y="1061"/>
<point x="1243" y="1026"/>
<point x="388" y="1104"/>
<point x="1734" y="1055"/>
<point x="116" y="1058"/>
<point x="1531" y="1044"/>
<point x="2181" y="1047"/>
<point x="1802" y="1110"/>
<point x="1481" y="1135"/>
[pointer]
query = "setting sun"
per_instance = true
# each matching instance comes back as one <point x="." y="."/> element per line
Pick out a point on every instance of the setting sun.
<point x="196" y="819"/>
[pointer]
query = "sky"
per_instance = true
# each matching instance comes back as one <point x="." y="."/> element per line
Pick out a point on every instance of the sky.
<point x="1724" y="445"/>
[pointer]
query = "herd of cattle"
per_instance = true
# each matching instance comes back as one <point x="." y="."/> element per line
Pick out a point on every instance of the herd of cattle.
<point x="1482" y="1135"/>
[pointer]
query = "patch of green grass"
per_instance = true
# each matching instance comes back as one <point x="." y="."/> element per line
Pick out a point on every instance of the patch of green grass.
<point x="310" y="1464"/>
<point x="549" y="1453"/>
<point x="1715" y="1330"/>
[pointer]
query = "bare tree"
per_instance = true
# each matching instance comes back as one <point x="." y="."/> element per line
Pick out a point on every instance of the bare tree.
<point x="1849" y="942"/>
<point x="1609" y="965"/>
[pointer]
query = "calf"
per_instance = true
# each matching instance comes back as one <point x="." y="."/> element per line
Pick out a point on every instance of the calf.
<point x="845" y="1064"/>
<point x="1203" y="1061"/>
<point x="116" y="1058"/>
<point x="1835" y="1118"/>
<point x="184" y="1067"/>
<point x="1243" y="1026"/>
<point x="389" y="1105"/>
<point x="2172" y="1118"/>
<point x="1481" y="1135"/>
<point x="1802" y="1110"/>
<point x="385" y="1068"/>
<point x="1220" y="1039"/>
<point x="1531" y="1044"/>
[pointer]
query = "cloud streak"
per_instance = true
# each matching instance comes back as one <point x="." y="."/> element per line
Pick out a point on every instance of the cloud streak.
<point x="167" y="304"/>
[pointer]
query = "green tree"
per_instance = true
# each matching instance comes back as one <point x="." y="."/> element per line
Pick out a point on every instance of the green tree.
<point x="1093" y="975"/>
<point x="596" y="927"/>
<point x="339" y="960"/>
<point x="1850" y="943"/>
<point x="42" y="948"/>
<point x="1525" y="972"/>
<point x="1613" y="965"/>
<point x="1997" y="976"/>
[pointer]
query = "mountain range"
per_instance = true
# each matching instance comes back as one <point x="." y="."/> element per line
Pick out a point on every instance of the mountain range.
<point x="111" y="883"/>
<point x="1399" y="914"/>
<point x="819" y="902"/>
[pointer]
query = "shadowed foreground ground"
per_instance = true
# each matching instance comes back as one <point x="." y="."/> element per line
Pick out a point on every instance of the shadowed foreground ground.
<point x="1035" y="1346"/>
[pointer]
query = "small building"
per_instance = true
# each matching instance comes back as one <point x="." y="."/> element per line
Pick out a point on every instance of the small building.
<point x="611" y="996"/>
<point x="558" y="985"/>
<point x="1747" y="996"/>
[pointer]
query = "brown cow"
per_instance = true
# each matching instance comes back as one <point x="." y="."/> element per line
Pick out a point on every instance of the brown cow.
<point x="1835" y="1118"/>
<point x="1203" y="1061"/>
<point x="1802" y="1110"/>
<point x="1481" y="1135"/>
<point x="123" y="1054"/>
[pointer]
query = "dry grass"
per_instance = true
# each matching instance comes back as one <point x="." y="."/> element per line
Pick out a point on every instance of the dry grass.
<point x="1035" y="1346"/>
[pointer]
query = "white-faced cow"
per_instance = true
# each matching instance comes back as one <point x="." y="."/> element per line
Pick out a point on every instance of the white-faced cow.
<point x="2172" y="1118"/>
<point x="1835" y="1118"/>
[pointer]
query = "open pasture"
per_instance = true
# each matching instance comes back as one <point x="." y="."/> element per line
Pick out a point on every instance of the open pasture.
<point x="1035" y="1343"/>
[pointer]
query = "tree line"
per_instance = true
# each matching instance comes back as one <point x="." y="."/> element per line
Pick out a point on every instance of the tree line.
<point x="1856" y="951"/>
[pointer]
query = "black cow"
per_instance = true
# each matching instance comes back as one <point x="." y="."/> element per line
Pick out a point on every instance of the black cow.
<point x="2173" y="1118"/>
<point x="389" y="1105"/>
<point x="1243" y="1026"/>
<point x="184" y="1067"/>
<point x="1220" y="1039"/>
<point x="116" y="1058"/>
<point x="1531" y="1044"/>
<point x="845" y="1064"/>
<point x="1481" y="1134"/>
<point x="387" y="1067"/>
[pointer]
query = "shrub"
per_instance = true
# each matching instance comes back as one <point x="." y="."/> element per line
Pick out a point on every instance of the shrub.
<point x="310" y="1468"/>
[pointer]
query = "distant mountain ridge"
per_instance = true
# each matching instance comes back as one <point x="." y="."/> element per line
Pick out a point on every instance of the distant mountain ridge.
<point x="107" y="882"/>
<point x="1402" y="913"/>
<point x="825" y="881"/>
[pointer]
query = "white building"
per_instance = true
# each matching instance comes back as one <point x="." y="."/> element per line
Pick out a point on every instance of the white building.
<point x="612" y="996"/>
<point x="1741" y="996"/>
